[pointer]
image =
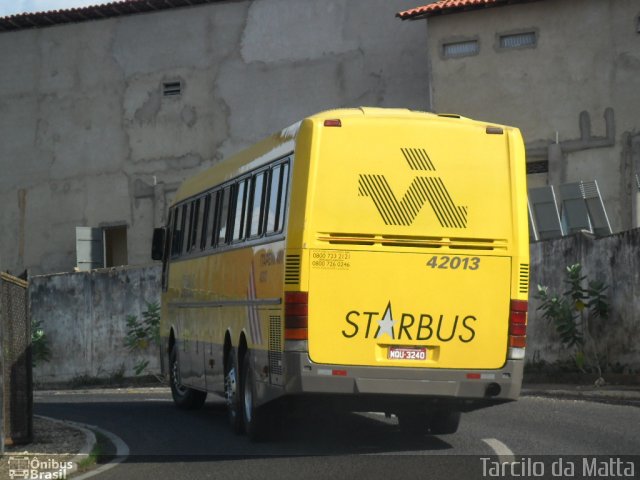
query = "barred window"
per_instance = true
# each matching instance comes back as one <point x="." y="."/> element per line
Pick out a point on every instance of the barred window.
<point x="518" y="40"/>
<point x="460" y="49"/>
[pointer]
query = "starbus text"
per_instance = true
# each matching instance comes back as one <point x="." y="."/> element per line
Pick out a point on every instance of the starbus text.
<point x="421" y="326"/>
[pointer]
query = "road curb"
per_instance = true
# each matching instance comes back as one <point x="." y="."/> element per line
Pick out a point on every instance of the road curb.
<point x="89" y="442"/>
<point x="612" y="399"/>
<point x="102" y="391"/>
<point x="122" y="453"/>
<point x="122" y="449"/>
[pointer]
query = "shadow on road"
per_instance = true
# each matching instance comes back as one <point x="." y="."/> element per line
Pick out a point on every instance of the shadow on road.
<point x="157" y="429"/>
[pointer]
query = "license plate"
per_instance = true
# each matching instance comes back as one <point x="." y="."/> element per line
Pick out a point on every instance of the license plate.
<point x="407" y="353"/>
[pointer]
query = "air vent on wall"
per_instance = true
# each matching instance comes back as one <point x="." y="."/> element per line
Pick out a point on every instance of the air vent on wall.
<point x="170" y="89"/>
<point x="537" y="167"/>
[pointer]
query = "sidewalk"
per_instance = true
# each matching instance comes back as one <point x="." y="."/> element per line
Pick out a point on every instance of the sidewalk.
<point x="611" y="394"/>
<point x="58" y="449"/>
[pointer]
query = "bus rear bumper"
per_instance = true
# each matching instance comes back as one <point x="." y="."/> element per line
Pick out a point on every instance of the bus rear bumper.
<point x="486" y="386"/>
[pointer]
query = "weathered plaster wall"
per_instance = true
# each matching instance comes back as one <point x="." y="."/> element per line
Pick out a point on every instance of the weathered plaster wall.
<point x="587" y="60"/>
<point x="84" y="317"/>
<point x="85" y="129"/>
<point x="616" y="261"/>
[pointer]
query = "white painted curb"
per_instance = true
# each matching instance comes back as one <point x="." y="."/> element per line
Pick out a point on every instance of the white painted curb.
<point x="89" y="444"/>
<point x="122" y="449"/>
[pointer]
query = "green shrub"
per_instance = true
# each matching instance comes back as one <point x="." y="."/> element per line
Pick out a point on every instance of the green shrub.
<point x="576" y="315"/>
<point x="40" y="351"/>
<point x="143" y="333"/>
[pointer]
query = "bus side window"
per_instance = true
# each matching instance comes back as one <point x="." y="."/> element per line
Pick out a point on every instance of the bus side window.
<point x="272" y="200"/>
<point x="204" y="222"/>
<point x="186" y="235"/>
<point x="196" y="223"/>
<point x="223" y="216"/>
<point x="255" y="215"/>
<point x="173" y="226"/>
<point x="212" y="218"/>
<point x="282" y="196"/>
<point x="277" y="198"/>
<point x="240" y="204"/>
<point x="180" y="233"/>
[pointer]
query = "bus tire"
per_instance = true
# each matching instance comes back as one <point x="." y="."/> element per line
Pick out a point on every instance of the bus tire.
<point x="184" y="397"/>
<point x="255" y="419"/>
<point x="232" y="393"/>
<point x="444" y="422"/>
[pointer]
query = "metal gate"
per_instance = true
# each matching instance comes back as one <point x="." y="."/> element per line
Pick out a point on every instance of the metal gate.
<point x="17" y="383"/>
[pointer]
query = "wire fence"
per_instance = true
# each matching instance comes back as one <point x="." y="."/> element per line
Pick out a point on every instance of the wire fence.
<point x="17" y="382"/>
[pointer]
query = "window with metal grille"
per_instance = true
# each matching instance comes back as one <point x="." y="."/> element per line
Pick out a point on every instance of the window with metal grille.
<point x="538" y="167"/>
<point x="170" y="89"/>
<point x="460" y="49"/>
<point x="518" y="40"/>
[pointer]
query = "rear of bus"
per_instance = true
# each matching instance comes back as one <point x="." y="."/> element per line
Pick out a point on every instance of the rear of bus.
<point x="407" y="261"/>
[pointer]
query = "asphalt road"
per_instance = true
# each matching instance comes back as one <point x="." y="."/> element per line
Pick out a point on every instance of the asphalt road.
<point x="165" y="442"/>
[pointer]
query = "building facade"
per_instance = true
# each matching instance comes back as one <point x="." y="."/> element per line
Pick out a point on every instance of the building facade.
<point x="566" y="72"/>
<point x="105" y="111"/>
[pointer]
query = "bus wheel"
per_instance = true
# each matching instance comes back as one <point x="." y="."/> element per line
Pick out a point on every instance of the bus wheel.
<point x="254" y="418"/>
<point x="444" y="422"/>
<point x="231" y="393"/>
<point x="183" y="397"/>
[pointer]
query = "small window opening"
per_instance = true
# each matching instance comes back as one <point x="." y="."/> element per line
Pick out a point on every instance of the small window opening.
<point x="518" y="40"/>
<point x="100" y="247"/>
<point x="460" y="49"/>
<point x="170" y="89"/>
<point x="115" y="246"/>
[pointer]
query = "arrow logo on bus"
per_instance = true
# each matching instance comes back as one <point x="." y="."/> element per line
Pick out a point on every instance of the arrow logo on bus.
<point x="422" y="190"/>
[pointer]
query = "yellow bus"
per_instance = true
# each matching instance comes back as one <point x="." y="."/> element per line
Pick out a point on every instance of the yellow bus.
<point x="375" y="257"/>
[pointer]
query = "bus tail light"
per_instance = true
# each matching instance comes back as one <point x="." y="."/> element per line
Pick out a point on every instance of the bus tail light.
<point x="333" y="122"/>
<point x="517" y="329"/>
<point x="296" y="315"/>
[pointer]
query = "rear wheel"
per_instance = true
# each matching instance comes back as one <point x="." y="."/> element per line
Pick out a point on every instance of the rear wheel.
<point x="231" y="392"/>
<point x="183" y="397"/>
<point x="444" y="422"/>
<point x="255" y="419"/>
<point x="438" y="422"/>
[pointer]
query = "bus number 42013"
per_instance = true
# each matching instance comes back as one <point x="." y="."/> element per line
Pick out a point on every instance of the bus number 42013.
<point x="454" y="263"/>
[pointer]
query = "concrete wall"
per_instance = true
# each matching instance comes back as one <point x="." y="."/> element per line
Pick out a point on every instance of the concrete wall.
<point x="615" y="260"/>
<point x="85" y="130"/>
<point x="587" y="59"/>
<point x="84" y="316"/>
